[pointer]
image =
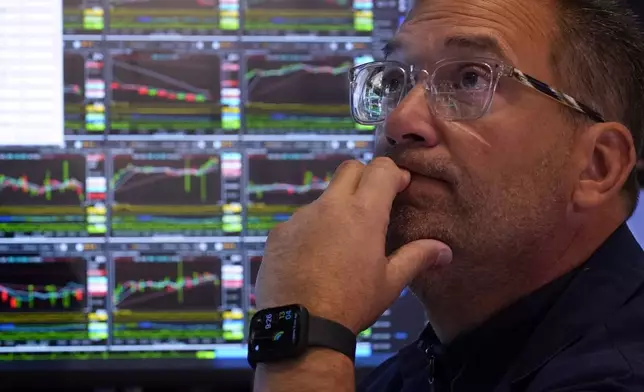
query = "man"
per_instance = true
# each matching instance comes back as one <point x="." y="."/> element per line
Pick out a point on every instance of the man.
<point x="510" y="130"/>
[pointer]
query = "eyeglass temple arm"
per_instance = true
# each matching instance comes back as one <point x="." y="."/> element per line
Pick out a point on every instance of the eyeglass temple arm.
<point x="557" y="95"/>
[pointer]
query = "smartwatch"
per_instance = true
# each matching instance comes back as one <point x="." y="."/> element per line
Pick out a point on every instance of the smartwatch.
<point x="286" y="332"/>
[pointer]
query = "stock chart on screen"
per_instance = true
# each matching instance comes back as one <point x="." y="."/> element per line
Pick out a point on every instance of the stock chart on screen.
<point x="254" y="262"/>
<point x="336" y="17"/>
<point x="157" y="193"/>
<point x="52" y="296"/>
<point x="191" y="129"/>
<point x="74" y="92"/>
<point x="279" y="182"/>
<point x="174" y="17"/>
<point x="299" y="93"/>
<point x="51" y="195"/>
<point x="174" y="91"/>
<point x="189" y="295"/>
<point x="84" y="88"/>
<point x="83" y="17"/>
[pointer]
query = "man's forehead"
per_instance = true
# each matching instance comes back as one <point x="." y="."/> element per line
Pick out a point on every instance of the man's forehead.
<point x="455" y="43"/>
<point x="492" y="27"/>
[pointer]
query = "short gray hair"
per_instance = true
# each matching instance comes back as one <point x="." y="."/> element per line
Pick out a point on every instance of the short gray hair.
<point x="598" y="56"/>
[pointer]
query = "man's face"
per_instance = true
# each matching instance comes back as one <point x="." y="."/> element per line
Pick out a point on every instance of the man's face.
<point x="493" y="187"/>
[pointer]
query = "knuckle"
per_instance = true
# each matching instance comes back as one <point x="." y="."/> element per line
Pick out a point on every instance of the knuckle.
<point x="383" y="161"/>
<point x="351" y="164"/>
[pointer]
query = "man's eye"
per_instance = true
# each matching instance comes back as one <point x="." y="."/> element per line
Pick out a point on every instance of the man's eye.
<point x="473" y="78"/>
<point x="392" y="82"/>
<point x="470" y="79"/>
<point x="391" y="86"/>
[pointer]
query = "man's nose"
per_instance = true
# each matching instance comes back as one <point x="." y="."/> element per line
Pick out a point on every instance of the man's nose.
<point x="411" y="121"/>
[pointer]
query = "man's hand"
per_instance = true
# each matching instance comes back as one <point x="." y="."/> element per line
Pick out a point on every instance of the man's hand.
<point x="330" y="256"/>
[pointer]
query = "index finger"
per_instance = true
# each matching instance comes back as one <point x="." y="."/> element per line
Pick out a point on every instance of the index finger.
<point x="381" y="181"/>
<point x="346" y="177"/>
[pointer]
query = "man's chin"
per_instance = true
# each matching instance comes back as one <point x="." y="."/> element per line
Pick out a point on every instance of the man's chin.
<point x="408" y="224"/>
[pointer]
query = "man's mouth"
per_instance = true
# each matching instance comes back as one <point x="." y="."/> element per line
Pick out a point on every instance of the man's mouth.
<point x="423" y="168"/>
<point x="427" y="177"/>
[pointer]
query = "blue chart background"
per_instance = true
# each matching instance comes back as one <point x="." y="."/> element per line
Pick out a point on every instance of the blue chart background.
<point x="636" y="223"/>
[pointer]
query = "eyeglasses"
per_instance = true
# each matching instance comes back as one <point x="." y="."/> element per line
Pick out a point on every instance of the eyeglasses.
<point x="457" y="90"/>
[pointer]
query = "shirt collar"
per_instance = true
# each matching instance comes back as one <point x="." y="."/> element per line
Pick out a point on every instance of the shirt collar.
<point x="485" y="353"/>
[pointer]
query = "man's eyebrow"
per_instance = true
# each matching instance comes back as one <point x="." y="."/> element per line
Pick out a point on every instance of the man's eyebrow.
<point x="478" y="43"/>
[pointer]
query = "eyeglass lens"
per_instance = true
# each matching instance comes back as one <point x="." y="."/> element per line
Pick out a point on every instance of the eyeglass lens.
<point x="458" y="90"/>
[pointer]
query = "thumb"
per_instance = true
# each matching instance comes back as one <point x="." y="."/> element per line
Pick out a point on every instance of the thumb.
<point x="407" y="262"/>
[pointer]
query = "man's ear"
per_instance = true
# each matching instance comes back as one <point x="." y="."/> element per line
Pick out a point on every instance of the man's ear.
<point x="607" y="157"/>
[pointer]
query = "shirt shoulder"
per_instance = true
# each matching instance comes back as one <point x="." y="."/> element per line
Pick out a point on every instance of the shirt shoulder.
<point x="609" y="357"/>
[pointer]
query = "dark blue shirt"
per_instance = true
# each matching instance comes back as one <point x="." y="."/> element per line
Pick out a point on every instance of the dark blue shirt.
<point x="582" y="332"/>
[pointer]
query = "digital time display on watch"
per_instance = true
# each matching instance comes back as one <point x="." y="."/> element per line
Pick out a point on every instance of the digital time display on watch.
<point x="277" y="333"/>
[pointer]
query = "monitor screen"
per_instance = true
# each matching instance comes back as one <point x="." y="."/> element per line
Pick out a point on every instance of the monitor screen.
<point x="148" y="148"/>
<point x="636" y="222"/>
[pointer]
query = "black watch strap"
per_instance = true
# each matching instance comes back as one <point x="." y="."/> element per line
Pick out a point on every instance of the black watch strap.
<point x="329" y="334"/>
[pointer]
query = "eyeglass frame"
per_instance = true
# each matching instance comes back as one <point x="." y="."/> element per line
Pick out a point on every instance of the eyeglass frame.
<point x="506" y="70"/>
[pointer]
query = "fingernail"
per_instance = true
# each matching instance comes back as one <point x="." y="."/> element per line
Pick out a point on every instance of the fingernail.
<point x="444" y="257"/>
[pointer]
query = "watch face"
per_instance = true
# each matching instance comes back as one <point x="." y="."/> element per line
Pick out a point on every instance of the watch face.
<point x="277" y="333"/>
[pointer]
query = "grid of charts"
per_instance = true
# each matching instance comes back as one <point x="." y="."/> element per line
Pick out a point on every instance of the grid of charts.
<point x="151" y="147"/>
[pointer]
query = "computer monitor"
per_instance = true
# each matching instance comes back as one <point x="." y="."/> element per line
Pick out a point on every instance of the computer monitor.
<point x="636" y="222"/>
<point x="153" y="145"/>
